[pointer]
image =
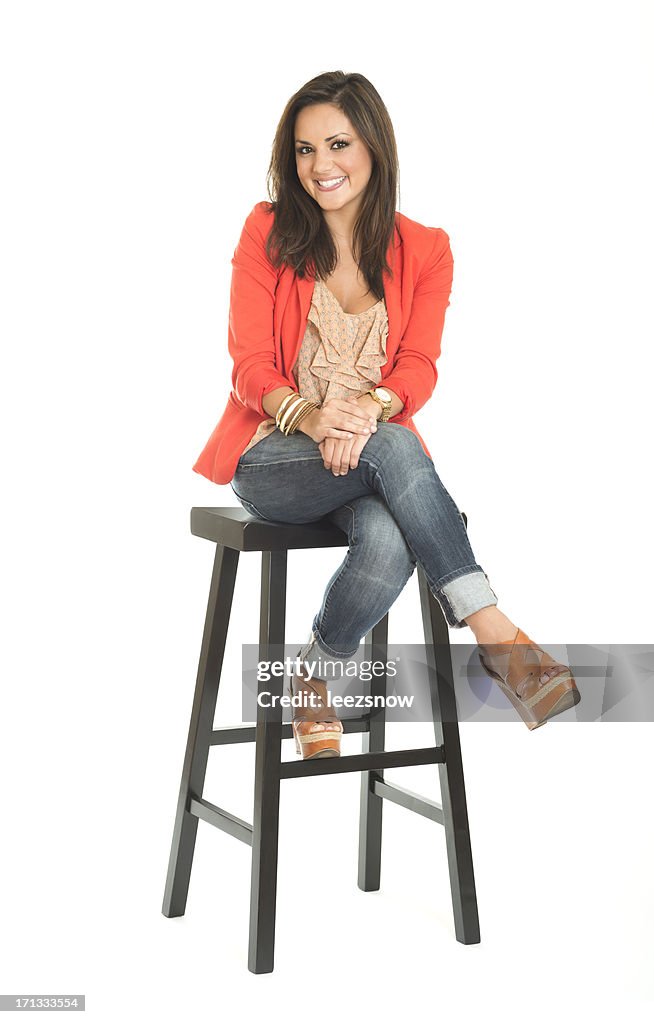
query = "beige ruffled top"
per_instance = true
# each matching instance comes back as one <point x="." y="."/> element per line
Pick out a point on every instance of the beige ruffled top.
<point x="341" y="353"/>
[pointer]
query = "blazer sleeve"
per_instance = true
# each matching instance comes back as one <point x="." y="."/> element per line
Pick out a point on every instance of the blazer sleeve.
<point x="414" y="374"/>
<point x="251" y="339"/>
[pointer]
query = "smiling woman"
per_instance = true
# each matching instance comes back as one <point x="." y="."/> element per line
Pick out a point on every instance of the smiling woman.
<point x="337" y="309"/>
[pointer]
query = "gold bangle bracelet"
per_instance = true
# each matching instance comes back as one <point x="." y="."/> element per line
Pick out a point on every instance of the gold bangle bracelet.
<point x="288" y="410"/>
<point x="294" y="415"/>
<point x="302" y="413"/>
<point x="284" y="405"/>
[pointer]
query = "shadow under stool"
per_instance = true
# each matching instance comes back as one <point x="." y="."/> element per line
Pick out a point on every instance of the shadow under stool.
<point x="234" y="530"/>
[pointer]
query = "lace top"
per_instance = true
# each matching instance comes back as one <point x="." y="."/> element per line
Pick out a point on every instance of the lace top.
<point x="341" y="353"/>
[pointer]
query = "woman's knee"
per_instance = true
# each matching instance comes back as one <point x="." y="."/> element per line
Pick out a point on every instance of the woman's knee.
<point x="392" y="440"/>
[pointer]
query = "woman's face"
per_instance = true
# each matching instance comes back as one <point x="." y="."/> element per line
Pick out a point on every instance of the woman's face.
<point x="327" y="148"/>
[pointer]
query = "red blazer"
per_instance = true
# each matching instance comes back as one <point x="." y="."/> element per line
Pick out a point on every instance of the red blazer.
<point x="268" y="317"/>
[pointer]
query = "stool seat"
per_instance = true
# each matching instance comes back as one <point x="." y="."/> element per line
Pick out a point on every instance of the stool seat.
<point x="237" y="529"/>
<point x="233" y="530"/>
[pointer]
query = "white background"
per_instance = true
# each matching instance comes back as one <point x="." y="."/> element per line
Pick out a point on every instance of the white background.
<point x="136" y="138"/>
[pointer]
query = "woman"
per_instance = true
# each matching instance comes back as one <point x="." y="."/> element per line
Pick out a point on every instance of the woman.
<point x="336" y="315"/>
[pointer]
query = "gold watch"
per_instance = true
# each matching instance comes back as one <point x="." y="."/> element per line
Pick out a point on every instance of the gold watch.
<point x="382" y="396"/>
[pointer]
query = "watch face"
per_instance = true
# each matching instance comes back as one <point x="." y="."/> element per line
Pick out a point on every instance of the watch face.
<point x="383" y="394"/>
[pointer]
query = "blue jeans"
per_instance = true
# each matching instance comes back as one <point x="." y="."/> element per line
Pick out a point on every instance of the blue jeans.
<point x="394" y="510"/>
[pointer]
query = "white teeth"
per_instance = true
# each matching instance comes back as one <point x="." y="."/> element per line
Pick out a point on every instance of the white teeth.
<point x="332" y="181"/>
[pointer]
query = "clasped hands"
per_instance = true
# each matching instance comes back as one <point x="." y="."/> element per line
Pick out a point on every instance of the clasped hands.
<point x="341" y="427"/>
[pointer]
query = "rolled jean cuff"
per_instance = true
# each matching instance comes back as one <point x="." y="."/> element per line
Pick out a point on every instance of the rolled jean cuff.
<point x="464" y="595"/>
<point x="323" y="662"/>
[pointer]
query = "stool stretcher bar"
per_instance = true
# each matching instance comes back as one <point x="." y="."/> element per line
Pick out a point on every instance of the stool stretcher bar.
<point x="362" y="762"/>
<point x="247" y="733"/>
<point x="222" y="819"/>
<point x="406" y="798"/>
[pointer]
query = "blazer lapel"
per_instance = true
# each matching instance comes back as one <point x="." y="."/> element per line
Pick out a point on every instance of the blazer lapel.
<point x="393" y="295"/>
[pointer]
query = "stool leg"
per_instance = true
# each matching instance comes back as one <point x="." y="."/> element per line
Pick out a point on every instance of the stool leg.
<point x="374" y="739"/>
<point x="265" y="825"/>
<point x="453" y="793"/>
<point x="199" y="736"/>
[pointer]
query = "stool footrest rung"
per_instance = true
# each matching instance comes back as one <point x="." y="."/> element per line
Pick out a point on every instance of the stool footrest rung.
<point x="247" y="733"/>
<point x="362" y="762"/>
<point x="234" y="734"/>
<point x="222" y="819"/>
<point x="406" y="798"/>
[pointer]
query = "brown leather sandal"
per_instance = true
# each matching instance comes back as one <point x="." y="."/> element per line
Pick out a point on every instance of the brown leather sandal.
<point x="538" y="686"/>
<point x="316" y="726"/>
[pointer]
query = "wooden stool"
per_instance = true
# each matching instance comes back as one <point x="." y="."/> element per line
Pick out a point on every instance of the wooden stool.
<point x="234" y="530"/>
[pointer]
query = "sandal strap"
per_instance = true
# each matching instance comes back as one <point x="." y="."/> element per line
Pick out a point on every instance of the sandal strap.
<point x="519" y="664"/>
<point x="334" y="724"/>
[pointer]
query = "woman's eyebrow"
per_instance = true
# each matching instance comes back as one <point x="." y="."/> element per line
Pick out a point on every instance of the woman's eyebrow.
<point x="328" y="139"/>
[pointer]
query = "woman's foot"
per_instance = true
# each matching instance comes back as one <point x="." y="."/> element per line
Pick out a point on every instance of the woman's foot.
<point x="316" y="726"/>
<point x="538" y="686"/>
<point x="491" y="626"/>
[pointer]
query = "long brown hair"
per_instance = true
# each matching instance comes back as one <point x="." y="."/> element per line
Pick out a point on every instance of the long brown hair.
<point x="299" y="236"/>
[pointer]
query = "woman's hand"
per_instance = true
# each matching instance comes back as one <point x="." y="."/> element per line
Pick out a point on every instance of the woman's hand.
<point x="338" y="418"/>
<point x="342" y="454"/>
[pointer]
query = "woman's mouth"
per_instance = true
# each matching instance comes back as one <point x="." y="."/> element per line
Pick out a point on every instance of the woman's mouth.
<point x="330" y="184"/>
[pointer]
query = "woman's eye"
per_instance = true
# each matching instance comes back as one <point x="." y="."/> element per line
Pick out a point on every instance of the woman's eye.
<point x="339" y="142"/>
